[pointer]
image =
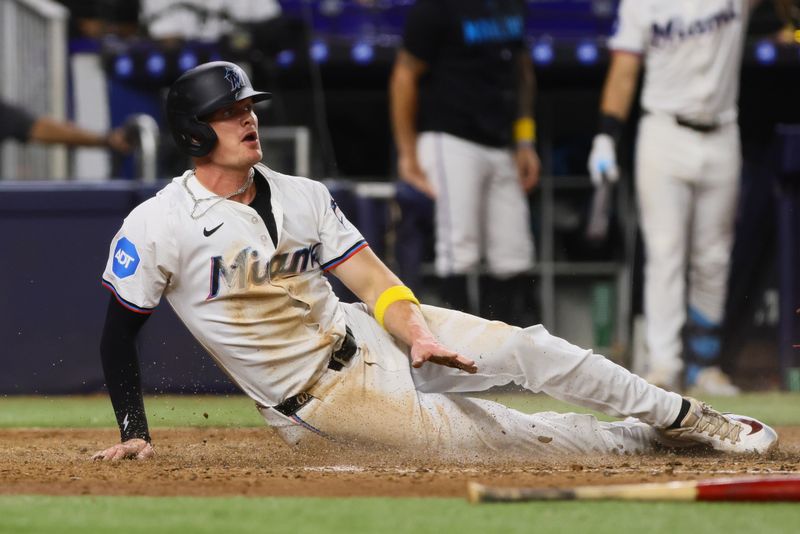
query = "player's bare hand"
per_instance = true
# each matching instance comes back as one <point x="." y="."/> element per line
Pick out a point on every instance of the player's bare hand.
<point x="117" y="140"/>
<point x="528" y="166"/>
<point x="135" y="448"/>
<point x="412" y="173"/>
<point x="434" y="352"/>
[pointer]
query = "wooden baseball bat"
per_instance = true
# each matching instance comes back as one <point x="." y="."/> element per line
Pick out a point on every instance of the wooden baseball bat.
<point x="767" y="489"/>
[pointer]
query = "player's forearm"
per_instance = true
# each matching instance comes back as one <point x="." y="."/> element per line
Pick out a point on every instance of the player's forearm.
<point x="120" y="361"/>
<point x="404" y="320"/>
<point x="526" y="87"/>
<point x="404" y="102"/>
<point x="366" y="276"/>
<point x="46" y="130"/>
<point x="787" y="11"/>
<point x="620" y="85"/>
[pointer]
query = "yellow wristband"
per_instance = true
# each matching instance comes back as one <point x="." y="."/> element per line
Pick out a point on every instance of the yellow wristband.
<point x="389" y="297"/>
<point x="525" y="130"/>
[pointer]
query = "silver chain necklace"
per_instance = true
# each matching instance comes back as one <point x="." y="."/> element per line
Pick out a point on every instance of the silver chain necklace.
<point x="218" y="198"/>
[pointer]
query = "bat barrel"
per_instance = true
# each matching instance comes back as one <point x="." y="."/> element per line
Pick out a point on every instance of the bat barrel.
<point x="754" y="489"/>
<point x="758" y="489"/>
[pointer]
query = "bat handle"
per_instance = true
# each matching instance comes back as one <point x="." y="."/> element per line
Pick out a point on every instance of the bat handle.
<point x="474" y="491"/>
<point x="477" y="493"/>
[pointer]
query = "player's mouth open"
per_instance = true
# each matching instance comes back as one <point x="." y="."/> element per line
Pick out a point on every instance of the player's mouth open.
<point x="250" y="137"/>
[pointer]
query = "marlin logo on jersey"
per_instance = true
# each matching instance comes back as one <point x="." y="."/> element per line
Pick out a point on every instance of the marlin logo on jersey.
<point x="337" y="212"/>
<point x="677" y="29"/>
<point x="234" y="77"/>
<point x="250" y="269"/>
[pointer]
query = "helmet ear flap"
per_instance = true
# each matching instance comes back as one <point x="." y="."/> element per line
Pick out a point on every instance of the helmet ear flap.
<point x="195" y="137"/>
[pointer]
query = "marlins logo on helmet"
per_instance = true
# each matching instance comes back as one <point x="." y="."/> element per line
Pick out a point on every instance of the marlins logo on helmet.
<point x="234" y="77"/>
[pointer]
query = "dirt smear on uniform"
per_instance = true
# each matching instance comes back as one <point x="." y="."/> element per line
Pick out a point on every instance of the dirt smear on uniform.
<point x="255" y="462"/>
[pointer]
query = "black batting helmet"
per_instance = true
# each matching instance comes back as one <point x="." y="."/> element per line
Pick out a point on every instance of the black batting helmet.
<point x="199" y="92"/>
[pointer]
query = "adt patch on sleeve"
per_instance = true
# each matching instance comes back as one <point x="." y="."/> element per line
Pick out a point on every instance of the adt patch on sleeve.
<point x="126" y="258"/>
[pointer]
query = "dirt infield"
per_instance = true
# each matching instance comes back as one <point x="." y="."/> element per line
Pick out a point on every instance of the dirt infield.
<point x="254" y="462"/>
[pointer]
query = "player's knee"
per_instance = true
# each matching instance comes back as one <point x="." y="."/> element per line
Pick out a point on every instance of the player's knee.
<point x="665" y="248"/>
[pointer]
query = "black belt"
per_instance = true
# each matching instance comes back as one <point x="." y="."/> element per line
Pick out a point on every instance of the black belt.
<point x="702" y="127"/>
<point x="338" y="360"/>
<point x="345" y="353"/>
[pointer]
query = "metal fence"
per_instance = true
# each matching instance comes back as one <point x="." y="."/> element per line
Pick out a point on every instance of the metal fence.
<point x="33" y="63"/>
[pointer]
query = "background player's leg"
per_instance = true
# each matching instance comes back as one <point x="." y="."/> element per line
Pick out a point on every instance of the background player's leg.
<point x="454" y="292"/>
<point x="509" y="242"/>
<point x="540" y="362"/>
<point x="504" y="298"/>
<point x="414" y="233"/>
<point x="716" y="193"/>
<point x="456" y="168"/>
<point x="664" y="161"/>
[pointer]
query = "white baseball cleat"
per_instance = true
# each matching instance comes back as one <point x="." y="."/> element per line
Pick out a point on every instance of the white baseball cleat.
<point x="723" y="432"/>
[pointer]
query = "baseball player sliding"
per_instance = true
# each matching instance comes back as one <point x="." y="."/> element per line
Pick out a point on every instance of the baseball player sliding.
<point x="239" y="251"/>
<point x="687" y="171"/>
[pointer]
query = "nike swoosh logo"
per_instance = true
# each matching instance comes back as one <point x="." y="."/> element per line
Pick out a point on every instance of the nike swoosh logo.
<point x="755" y="426"/>
<point x="209" y="232"/>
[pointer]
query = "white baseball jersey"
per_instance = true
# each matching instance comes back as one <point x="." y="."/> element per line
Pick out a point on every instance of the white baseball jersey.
<point x="266" y="314"/>
<point x="692" y="51"/>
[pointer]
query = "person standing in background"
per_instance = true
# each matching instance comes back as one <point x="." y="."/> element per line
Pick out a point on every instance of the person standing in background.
<point x="688" y="161"/>
<point x="462" y="109"/>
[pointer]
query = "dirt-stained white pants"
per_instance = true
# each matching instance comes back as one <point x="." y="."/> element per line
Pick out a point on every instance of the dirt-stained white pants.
<point x="379" y="399"/>
<point x="687" y="185"/>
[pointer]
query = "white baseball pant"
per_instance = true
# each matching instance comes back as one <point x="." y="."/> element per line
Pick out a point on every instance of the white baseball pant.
<point x="687" y="187"/>
<point x="378" y="399"/>
<point x="481" y="208"/>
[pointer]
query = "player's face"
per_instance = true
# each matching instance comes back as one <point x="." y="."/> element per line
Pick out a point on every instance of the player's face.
<point x="236" y="127"/>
